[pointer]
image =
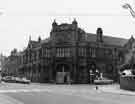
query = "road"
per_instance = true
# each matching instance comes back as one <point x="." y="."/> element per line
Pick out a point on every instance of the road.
<point x="60" y="94"/>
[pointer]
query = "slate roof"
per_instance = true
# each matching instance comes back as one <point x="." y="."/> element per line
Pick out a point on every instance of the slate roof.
<point x="90" y="37"/>
<point x="107" y="39"/>
<point x="45" y="40"/>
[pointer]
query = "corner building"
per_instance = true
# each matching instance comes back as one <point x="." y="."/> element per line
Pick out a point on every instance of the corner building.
<point x="70" y="53"/>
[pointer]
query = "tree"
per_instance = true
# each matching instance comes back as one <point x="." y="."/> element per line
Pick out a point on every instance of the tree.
<point x="129" y="62"/>
<point x="128" y="6"/>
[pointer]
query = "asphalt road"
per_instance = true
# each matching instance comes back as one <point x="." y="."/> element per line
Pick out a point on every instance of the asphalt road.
<point x="53" y="98"/>
<point x="49" y="98"/>
<point x="64" y="94"/>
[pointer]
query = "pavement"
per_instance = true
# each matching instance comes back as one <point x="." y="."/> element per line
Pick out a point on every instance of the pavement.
<point x="35" y="93"/>
<point x="115" y="89"/>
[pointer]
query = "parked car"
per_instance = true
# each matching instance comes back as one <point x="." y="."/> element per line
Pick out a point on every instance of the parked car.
<point x="23" y="80"/>
<point x="9" y="79"/>
<point x="12" y="79"/>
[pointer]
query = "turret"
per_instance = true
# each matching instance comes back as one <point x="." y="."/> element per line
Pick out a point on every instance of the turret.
<point x="39" y="39"/>
<point x="54" y="24"/>
<point x="29" y="38"/>
<point x="99" y="35"/>
<point x="75" y="22"/>
<point x="132" y="38"/>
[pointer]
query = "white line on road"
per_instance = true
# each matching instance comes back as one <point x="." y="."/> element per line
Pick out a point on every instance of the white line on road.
<point x="23" y="90"/>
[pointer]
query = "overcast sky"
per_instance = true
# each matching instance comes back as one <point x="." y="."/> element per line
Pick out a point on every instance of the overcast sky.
<point x="22" y="18"/>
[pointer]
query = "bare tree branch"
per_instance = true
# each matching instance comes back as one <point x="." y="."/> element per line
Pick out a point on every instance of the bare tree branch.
<point x="128" y="6"/>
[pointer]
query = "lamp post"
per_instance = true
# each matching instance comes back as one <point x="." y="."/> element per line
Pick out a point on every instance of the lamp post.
<point x="91" y="76"/>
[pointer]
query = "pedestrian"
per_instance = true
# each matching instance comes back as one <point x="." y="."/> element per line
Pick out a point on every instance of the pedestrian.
<point x="96" y="87"/>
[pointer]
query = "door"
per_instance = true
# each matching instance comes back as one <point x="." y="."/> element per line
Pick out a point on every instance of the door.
<point x="62" y="73"/>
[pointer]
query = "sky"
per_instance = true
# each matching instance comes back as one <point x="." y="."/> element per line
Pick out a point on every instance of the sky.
<point x="21" y="18"/>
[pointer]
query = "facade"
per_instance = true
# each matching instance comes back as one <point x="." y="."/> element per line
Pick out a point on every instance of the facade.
<point x="70" y="54"/>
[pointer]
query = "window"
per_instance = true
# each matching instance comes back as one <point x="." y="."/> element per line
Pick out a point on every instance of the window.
<point x="63" y="52"/>
<point x="82" y="52"/>
<point x="93" y="52"/>
<point x="90" y="51"/>
<point x="57" y="52"/>
<point x="67" y="52"/>
<point x="47" y="52"/>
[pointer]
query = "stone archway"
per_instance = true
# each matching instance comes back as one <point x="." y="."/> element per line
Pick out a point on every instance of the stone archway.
<point x="62" y="73"/>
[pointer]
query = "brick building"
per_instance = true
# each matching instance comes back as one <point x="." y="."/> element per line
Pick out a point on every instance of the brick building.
<point x="70" y="53"/>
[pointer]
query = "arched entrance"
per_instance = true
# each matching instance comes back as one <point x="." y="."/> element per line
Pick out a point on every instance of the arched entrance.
<point x="62" y="73"/>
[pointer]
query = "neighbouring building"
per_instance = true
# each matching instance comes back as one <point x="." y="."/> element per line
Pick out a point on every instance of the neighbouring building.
<point x="11" y="64"/>
<point x="2" y="62"/>
<point x="70" y="53"/>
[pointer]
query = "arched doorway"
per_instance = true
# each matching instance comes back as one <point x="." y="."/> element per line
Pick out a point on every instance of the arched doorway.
<point x="62" y="73"/>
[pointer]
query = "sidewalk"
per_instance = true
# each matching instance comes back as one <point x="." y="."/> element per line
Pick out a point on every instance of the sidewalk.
<point x="115" y="89"/>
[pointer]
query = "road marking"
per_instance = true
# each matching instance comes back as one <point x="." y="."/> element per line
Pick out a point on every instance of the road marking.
<point x="67" y="91"/>
<point x="23" y="90"/>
